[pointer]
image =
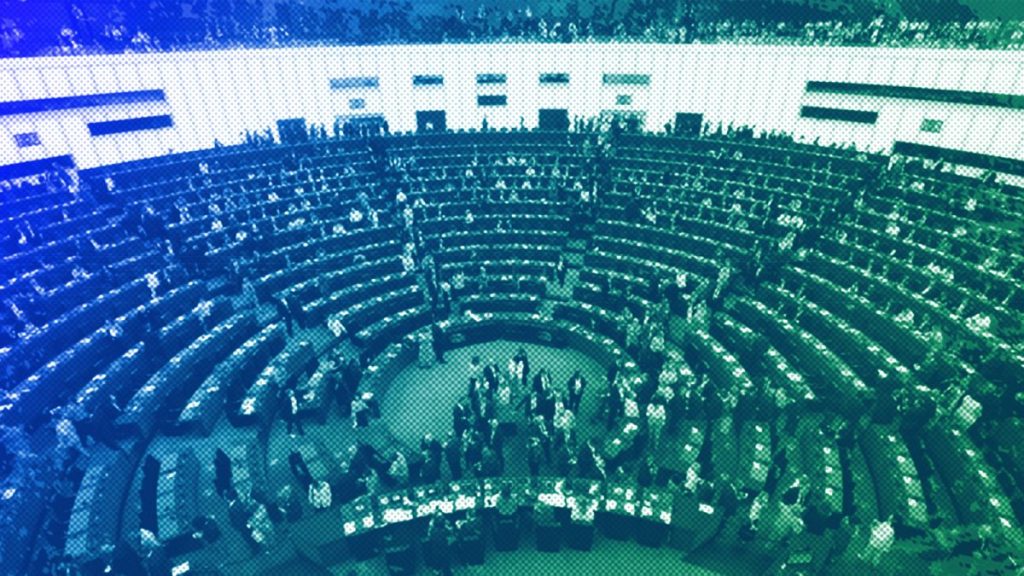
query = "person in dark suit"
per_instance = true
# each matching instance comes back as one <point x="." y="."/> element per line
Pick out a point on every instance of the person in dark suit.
<point x="300" y="470"/>
<point x="475" y="393"/>
<point x="561" y="269"/>
<point x="438" y="342"/>
<point x="613" y="372"/>
<point x="291" y="412"/>
<point x="343" y="389"/>
<point x="430" y="445"/>
<point x="439" y="540"/>
<point x="430" y="471"/>
<point x="676" y="295"/>
<point x="538" y="429"/>
<point x="285" y="313"/>
<point x="614" y="405"/>
<point x="221" y="473"/>
<point x="453" y="453"/>
<point x="460" y="419"/>
<point x="647" y="472"/>
<point x="495" y="437"/>
<point x="563" y="457"/>
<point x="489" y="465"/>
<point x="351" y="374"/>
<point x="546" y="405"/>
<point x="577" y="385"/>
<point x="472" y="449"/>
<point x="445" y="297"/>
<point x="541" y="382"/>
<point x="416" y="461"/>
<point x="521" y="359"/>
<point x="295" y="309"/>
<point x="360" y="412"/>
<point x="534" y="455"/>
<point x="590" y="465"/>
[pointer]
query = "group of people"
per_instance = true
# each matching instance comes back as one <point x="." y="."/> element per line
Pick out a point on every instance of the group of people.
<point x="661" y="393"/>
<point x="165" y="25"/>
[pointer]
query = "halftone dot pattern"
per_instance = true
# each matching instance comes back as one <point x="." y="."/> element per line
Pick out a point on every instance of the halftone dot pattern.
<point x="361" y="288"/>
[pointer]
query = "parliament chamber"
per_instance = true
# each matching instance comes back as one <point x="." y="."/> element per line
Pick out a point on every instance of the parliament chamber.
<point x="431" y="351"/>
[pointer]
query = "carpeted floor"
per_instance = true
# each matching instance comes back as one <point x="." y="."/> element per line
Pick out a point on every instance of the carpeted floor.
<point x="420" y="400"/>
<point x="609" y="557"/>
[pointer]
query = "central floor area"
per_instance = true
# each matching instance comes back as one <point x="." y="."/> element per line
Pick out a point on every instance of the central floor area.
<point x="420" y="400"/>
<point x="609" y="557"/>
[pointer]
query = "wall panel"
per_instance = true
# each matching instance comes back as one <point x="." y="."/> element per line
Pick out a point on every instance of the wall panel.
<point x="9" y="89"/>
<point x="30" y="83"/>
<point x="127" y="76"/>
<point x="82" y="82"/>
<point x="56" y="81"/>
<point x="221" y="94"/>
<point x="104" y="77"/>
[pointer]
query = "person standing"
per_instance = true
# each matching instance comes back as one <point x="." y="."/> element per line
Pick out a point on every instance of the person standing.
<point x="561" y="269"/>
<point x="521" y="365"/>
<point x="68" y="442"/>
<point x="426" y="353"/>
<point x="445" y="297"/>
<point x="460" y="418"/>
<point x="429" y="445"/>
<point x="656" y="419"/>
<point x="577" y="384"/>
<point x="534" y="454"/>
<point x="398" y="471"/>
<point x="437" y="342"/>
<point x="453" y="453"/>
<point x="437" y="554"/>
<point x="472" y="449"/>
<point x="300" y="470"/>
<point x="430" y="471"/>
<point x="284" y="313"/>
<point x="320" y="495"/>
<point x="222" y="473"/>
<point x="489" y="464"/>
<point x="360" y="413"/>
<point x="564" y="457"/>
<point x="291" y="412"/>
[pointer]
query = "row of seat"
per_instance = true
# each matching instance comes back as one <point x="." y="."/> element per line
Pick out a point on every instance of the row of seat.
<point x="648" y="258"/>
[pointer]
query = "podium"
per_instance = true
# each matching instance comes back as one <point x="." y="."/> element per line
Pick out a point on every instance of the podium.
<point x="363" y="546"/>
<point x="579" y="530"/>
<point x="617" y="517"/>
<point x="506" y="533"/>
<point x="579" y="536"/>
<point x="548" y="530"/>
<point x="469" y="538"/>
<point x="651" y="533"/>
<point x="616" y="526"/>
<point x="437" y="555"/>
<point x="653" y="518"/>
<point x="549" y="538"/>
<point x="472" y="550"/>
<point x="400" y="559"/>
<point x="694" y="522"/>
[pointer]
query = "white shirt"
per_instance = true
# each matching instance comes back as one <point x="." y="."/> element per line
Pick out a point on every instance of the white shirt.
<point x="320" y="494"/>
<point x="656" y="414"/>
<point x="66" y="434"/>
<point x="564" y="420"/>
<point x="632" y="408"/>
<point x="882" y="536"/>
<point x="692" y="478"/>
<point x="204" y="309"/>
